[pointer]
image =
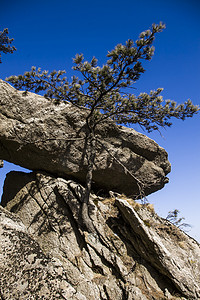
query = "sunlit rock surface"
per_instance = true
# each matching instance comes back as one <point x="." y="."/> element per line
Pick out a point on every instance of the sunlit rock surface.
<point x="38" y="135"/>
<point x="45" y="252"/>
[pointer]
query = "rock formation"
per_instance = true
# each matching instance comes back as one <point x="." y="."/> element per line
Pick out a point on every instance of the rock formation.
<point x="36" y="134"/>
<point x="46" y="254"/>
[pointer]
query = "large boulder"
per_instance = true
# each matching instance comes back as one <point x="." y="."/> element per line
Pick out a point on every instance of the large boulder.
<point x="46" y="254"/>
<point x="38" y="135"/>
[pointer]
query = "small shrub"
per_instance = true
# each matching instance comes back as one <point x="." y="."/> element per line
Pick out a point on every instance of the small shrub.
<point x="174" y="219"/>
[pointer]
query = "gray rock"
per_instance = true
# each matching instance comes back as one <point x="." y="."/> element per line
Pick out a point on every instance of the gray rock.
<point x="36" y="134"/>
<point x="134" y="254"/>
<point x="169" y="250"/>
<point x="26" y="272"/>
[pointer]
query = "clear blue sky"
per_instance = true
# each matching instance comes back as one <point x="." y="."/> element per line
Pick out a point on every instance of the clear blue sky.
<point x="49" y="34"/>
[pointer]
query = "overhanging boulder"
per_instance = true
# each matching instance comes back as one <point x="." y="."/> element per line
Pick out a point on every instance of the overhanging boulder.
<point x="38" y="135"/>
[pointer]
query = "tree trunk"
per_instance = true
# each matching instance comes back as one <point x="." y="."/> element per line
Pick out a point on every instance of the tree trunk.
<point x="91" y="147"/>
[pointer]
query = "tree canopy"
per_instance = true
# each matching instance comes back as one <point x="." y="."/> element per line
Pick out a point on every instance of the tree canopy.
<point x="105" y="90"/>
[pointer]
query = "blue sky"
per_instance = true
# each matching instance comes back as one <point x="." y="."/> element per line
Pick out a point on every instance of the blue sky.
<point x="49" y="34"/>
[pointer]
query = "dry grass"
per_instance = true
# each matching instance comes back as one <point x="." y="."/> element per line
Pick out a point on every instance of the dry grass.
<point x="110" y="200"/>
<point x="136" y="206"/>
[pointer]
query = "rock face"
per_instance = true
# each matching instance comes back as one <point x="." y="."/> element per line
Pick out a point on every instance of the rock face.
<point x="134" y="254"/>
<point x="36" y="134"/>
<point x="45" y="252"/>
<point x="26" y="272"/>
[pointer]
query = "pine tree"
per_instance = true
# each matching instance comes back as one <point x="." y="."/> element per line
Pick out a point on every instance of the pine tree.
<point x="104" y="92"/>
<point x="5" y="42"/>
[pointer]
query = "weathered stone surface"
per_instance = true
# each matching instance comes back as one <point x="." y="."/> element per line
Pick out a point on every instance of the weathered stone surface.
<point x="25" y="271"/>
<point x="133" y="255"/>
<point x="168" y="249"/>
<point x="36" y="134"/>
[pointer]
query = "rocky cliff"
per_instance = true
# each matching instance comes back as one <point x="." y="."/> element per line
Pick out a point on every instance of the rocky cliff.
<point x="45" y="252"/>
